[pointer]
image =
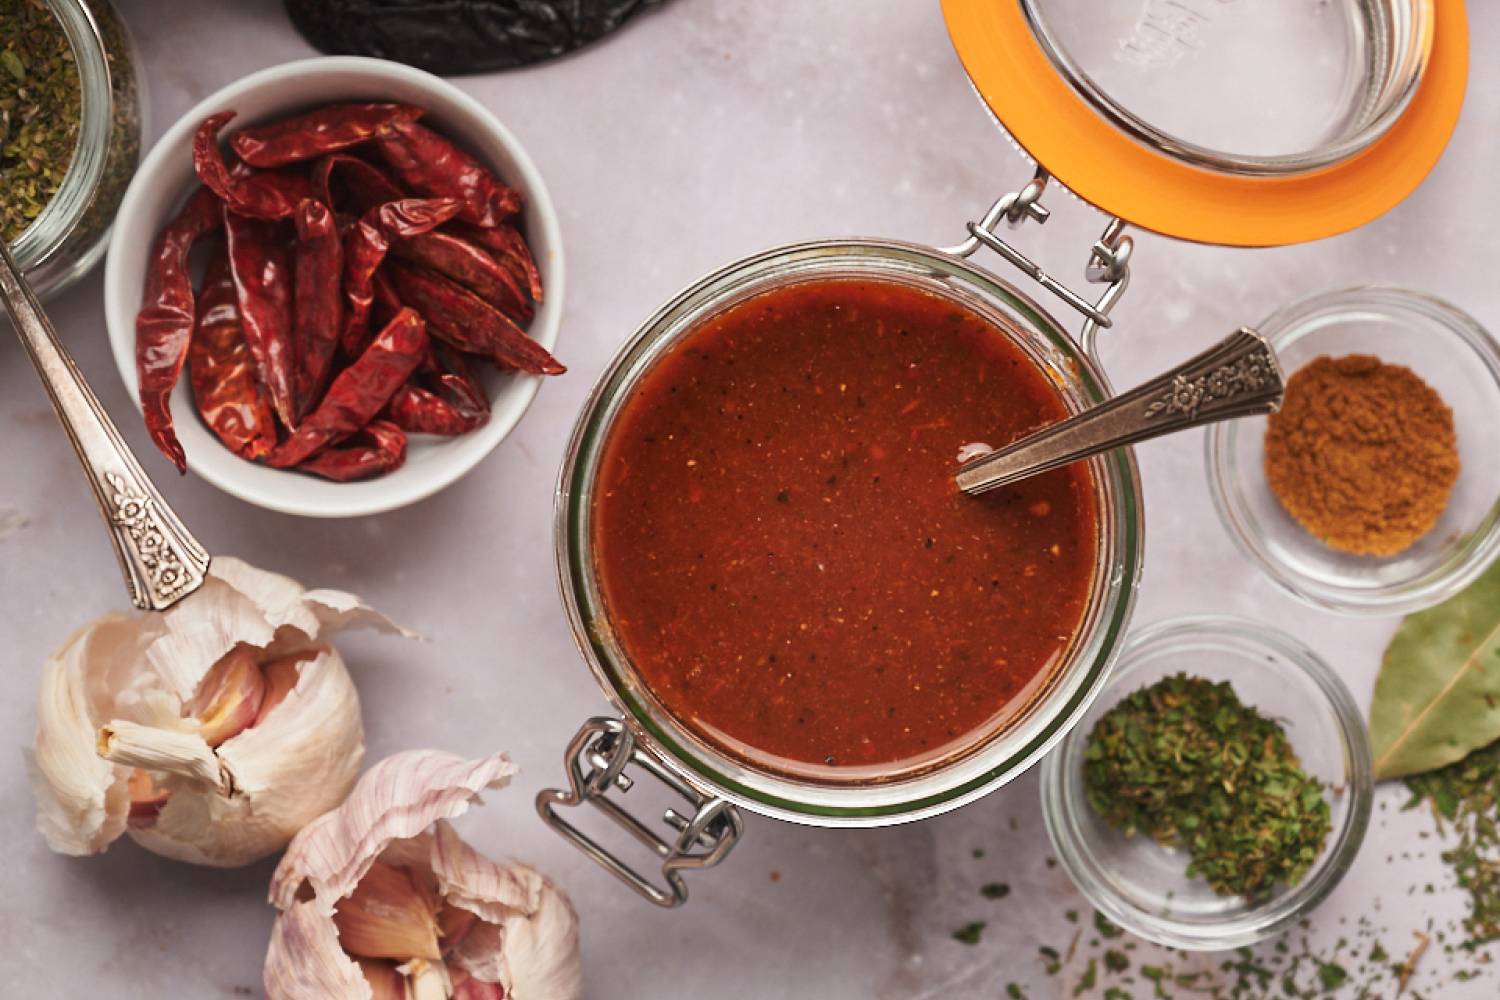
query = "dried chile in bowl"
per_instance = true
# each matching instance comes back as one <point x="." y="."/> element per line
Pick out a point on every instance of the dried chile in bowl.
<point x="308" y="346"/>
<point x="459" y="36"/>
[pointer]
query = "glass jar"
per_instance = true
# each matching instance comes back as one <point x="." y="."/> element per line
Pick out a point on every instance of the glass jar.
<point x="1127" y="147"/>
<point x="68" y="237"/>
<point x="714" y="781"/>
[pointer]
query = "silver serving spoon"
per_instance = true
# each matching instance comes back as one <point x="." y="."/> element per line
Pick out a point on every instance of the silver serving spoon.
<point x="161" y="560"/>
<point x="1238" y="377"/>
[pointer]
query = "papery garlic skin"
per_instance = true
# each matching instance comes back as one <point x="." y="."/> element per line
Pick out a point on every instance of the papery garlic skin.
<point x="120" y="687"/>
<point x="522" y="943"/>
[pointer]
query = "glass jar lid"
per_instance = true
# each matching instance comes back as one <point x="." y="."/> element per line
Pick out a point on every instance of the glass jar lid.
<point x="1224" y="121"/>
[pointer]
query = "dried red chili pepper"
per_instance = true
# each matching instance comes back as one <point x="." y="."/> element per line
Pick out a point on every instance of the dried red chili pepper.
<point x="359" y="391"/>
<point x="366" y="184"/>
<point x="164" y="325"/>
<point x="365" y="248"/>
<point x="456" y="407"/>
<point x="431" y="165"/>
<point x="260" y="194"/>
<point x="229" y="397"/>
<point x="317" y="303"/>
<point x="326" y="130"/>
<point x="509" y="249"/>
<point x="387" y="302"/>
<point x="469" y="323"/>
<point x="263" y="290"/>
<point x="470" y="266"/>
<point x="378" y="449"/>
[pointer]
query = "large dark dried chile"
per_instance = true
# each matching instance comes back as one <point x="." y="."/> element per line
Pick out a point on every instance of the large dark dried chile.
<point x="459" y="36"/>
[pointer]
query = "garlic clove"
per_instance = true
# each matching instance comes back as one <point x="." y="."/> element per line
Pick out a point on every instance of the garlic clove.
<point x="533" y="952"/>
<point x="388" y="916"/>
<point x="466" y="987"/>
<point x="304" y="960"/>
<point x="540" y="948"/>
<point x="229" y="696"/>
<point x="165" y="751"/>
<point x="397" y="799"/>
<point x="146" y="798"/>
<point x="281" y="678"/>
<point x="82" y="802"/>
<point x="454" y="924"/>
<point x="385" y="982"/>
<point x="427" y="980"/>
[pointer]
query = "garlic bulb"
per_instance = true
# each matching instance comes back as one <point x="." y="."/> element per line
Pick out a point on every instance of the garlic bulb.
<point x="381" y="900"/>
<point x="210" y="733"/>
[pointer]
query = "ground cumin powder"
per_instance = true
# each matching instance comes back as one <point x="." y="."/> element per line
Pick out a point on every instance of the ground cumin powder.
<point x="1362" y="454"/>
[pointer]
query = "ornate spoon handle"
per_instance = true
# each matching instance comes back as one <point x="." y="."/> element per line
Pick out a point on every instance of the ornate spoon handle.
<point x="161" y="560"/>
<point x="1237" y="377"/>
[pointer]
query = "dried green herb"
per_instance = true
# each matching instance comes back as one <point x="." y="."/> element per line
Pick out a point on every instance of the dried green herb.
<point x="1187" y="763"/>
<point x="1466" y="797"/>
<point x="1437" y="696"/>
<point x="969" y="933"/>
<point x="40" y="109"/>
<point x="994" y="890"/>
<point x="1088" y="980"/>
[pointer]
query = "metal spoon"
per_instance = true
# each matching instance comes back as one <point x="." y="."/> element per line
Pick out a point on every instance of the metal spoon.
<point x="1238" y="377"/>
<point x="161" y="560"/>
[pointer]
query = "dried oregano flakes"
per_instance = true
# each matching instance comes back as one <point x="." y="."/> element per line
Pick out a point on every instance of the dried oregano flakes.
<point x="40" y="109"/>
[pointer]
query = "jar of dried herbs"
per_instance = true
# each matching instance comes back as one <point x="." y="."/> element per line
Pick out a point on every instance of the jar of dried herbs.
<point x="70" y="133"/>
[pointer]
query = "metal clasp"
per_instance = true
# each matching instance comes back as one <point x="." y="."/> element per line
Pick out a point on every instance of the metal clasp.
<point x="1108" y="264"/>
<point x="596" y="759"/>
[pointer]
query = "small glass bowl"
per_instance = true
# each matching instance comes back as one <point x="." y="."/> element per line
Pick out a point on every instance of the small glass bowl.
<point x="1461" y="361"/>
<point x="1142" y="886"/>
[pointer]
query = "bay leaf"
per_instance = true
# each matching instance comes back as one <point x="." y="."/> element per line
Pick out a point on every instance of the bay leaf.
<point x="1438" y="693"/>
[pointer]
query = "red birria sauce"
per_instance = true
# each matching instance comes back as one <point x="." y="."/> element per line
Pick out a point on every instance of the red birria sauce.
<point x="783" y="554"/>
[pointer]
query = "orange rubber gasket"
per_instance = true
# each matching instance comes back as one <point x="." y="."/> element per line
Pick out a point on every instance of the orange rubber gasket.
<point x="1118" y="174"/>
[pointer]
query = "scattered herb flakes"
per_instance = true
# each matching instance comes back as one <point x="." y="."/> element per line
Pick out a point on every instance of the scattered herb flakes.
<point x="1186" y="762"/>
<point x="40" y="108"/>
<point x="1071" y="916"/>
<point x="1107" y="928"/>
<point x="1331" y="975"/>
<point x="969" y="933"/>
<point x="1467" y="796"/>
<point x="994" y="890"/>
<point x="1052" y="959"/>
<point x="1088" y="980"/>
<point x="1013" y="991"/>
<point x="1116" y="961"/>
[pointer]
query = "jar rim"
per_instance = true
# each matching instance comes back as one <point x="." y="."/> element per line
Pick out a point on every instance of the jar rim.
<point x="66" y="209"/>
<point x="980" y="767"/>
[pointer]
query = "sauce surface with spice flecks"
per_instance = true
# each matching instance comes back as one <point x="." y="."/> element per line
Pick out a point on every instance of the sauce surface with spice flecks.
<point x="784" y="556"/>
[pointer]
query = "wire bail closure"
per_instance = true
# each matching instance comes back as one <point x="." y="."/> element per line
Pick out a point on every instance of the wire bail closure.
<point x="596" y="759"/>
<point x="1108" y="263"/>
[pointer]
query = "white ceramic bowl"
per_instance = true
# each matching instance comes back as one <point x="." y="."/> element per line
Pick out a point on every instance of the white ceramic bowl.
<point x="163" y="182"/>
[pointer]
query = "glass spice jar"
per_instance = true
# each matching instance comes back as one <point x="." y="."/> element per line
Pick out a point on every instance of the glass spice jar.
<point x="68" y="237"/>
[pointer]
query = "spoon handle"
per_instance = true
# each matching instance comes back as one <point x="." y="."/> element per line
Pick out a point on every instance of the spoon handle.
<point x="161" y="560"/>
<point x="1237" y="377"/>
